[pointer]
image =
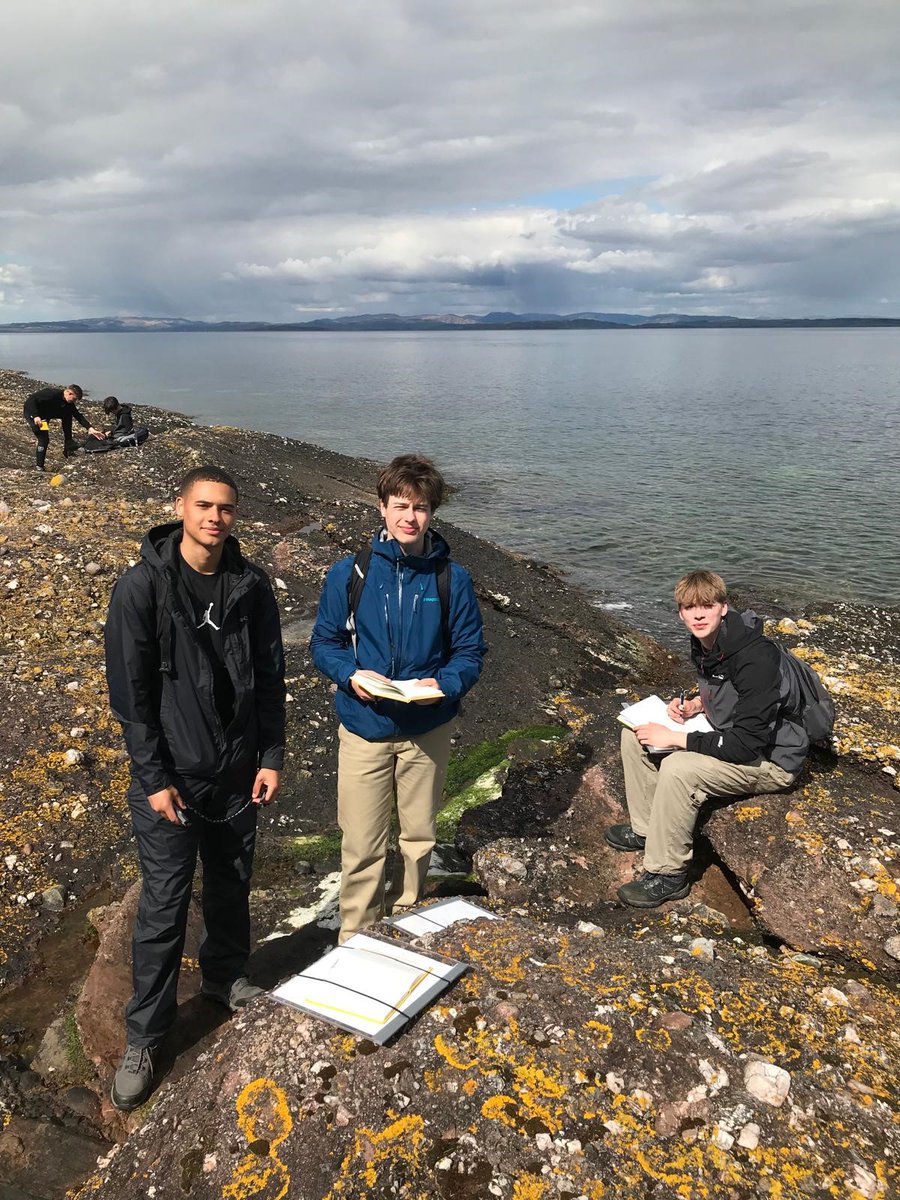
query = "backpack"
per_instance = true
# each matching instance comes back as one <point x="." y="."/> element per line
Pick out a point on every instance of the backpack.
<point x="357" y="582"/>
<point x="816" y="709"/>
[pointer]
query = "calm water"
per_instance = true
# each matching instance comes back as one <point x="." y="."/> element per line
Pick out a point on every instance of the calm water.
<point x="626" y="458"/>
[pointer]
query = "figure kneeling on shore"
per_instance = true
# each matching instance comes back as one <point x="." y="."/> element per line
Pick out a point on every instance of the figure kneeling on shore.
<point x="757" y="744"/>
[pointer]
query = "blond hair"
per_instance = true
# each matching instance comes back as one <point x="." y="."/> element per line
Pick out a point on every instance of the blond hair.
<point x="700" y="587"/>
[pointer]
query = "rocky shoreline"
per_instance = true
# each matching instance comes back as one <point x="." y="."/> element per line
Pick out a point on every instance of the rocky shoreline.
<point x="530" y="1081"/>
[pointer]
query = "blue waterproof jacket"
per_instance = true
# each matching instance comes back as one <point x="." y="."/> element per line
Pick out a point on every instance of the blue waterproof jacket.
<point x="398" y="628"/>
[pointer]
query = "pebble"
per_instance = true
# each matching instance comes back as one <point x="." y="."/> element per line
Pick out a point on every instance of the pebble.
<point x="73" y="757"/>
<point x="767" y="1082"/>
<point x="863" y="1182"/>
<point x="78" y="811"/>
<point x="704" y="948"/>
<point x="832" y="998"/>
<point x="716" y="1077"/>
<point x="749" y="1136"/>
<point x="11" y="860"/>
<point x="93" y="568"/>
<point x="73" y="685"/>
<point x="675" y="1020"/>
<point x="54" y="899"/>
<point x="892" y="947"/>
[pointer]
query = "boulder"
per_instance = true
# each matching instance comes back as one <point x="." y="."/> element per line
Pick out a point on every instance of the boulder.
<point x="551" y="1068"/>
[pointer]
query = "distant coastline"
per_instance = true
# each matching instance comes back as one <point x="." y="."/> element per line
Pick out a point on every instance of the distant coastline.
<point x="448" y="322"/>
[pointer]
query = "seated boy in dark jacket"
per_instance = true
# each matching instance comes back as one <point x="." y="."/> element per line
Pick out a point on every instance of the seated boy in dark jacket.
<point x="757" y="744"/>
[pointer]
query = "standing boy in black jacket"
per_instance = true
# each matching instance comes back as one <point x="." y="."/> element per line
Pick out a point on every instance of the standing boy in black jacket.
<point x="758" y="743"/>
<point x="56" y="404"/>
<point x="195" y="668"/>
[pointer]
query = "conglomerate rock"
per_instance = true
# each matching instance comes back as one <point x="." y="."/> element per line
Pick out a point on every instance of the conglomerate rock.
<point x="562" y="1064"/>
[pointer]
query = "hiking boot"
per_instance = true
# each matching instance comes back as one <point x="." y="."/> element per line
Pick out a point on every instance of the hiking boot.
<point x="71" y="447"/>
<point x="623" y="837"/>
<point x="134" y="1078"/>
<point x="233" y="995"/>
<point x="652" y="890"/>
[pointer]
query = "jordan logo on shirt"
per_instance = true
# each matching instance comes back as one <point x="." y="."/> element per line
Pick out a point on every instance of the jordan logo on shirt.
<point x="207" y="619"/>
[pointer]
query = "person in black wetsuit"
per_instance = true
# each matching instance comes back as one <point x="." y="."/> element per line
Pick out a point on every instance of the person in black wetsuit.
<point x="56" y="404"/>
<point x="195" y="668"/>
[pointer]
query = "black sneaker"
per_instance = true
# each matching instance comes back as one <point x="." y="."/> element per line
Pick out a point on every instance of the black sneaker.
<point x="134" y="1078"/>
<point x="232" y="995"/>
<point x="653" y="890"/>
<point x="623" y="837"/>
<point x="70" y="448"/>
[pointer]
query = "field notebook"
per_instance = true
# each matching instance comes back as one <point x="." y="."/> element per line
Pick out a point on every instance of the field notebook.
<point x="439" y="916"/>
<point x="370" y="986"/>
<point x="652" y="708"/>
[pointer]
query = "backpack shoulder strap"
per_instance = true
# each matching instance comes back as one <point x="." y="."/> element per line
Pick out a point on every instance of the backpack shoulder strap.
<point x="443" y="574"/>
<point x="355" y="585"/>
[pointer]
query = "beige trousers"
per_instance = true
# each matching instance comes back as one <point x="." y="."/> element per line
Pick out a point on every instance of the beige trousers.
<point x="664" y="797"/>
<point x="370" y="774"/>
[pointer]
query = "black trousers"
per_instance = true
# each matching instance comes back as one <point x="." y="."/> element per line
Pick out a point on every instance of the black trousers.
<point x="43" y="436"/>
<point x="168" y="857"/>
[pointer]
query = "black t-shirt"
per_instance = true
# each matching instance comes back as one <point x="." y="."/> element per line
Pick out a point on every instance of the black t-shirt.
<point x="209" y="595"/>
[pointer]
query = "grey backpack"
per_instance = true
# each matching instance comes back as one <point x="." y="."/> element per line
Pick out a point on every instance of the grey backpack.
<point x="816" y="707"/>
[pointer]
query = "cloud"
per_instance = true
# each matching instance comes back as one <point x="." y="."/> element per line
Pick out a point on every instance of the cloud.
<point x="260" y="159"/>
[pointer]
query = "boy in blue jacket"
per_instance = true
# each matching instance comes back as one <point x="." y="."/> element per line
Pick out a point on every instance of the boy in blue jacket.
<point x="400" y="631"/>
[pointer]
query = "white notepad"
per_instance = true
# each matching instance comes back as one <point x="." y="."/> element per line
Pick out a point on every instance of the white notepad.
<point x="652" y="708"/>
<point x="439" y="916"/>
<point x="369" y="986"/>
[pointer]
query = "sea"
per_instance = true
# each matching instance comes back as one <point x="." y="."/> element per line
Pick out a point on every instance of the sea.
<point x="622" y="457"/>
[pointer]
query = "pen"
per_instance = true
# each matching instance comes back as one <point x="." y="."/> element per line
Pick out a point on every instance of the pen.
<point x="681" y="702"/>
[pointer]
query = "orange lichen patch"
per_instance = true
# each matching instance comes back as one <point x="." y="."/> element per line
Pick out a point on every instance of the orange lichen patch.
<point x="604" y="1031"/>
<point x="262" y="1116"/>
<point x="449" y="1054"/>
<point x="657" y="1039"/>
<point x="748" y="812"/>
<point x="401" y="1142"/>
<point x="529" y="1187"/>
<point x="501" y="1108"/>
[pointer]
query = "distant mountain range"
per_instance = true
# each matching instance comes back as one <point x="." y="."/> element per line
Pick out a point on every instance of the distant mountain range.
<point x="447" y="321"/>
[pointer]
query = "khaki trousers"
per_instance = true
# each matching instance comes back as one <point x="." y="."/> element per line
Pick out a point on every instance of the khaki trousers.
<point x="370" y="774"/>
<point x="664" y="797"/>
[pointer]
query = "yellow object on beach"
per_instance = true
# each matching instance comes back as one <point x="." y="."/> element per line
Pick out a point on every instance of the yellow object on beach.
<point x="56" y="480"/>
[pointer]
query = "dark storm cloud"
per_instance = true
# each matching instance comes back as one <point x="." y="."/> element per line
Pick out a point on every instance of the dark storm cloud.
<point x="267" y="159"/>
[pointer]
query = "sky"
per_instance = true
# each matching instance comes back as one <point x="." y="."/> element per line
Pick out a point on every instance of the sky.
<point x="283" y="160"/>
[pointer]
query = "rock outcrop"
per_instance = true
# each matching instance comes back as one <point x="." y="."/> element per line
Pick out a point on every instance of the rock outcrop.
<point x="562" y="1064"/>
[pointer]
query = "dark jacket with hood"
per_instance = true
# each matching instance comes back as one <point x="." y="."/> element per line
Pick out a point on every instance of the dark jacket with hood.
<point x="161" y="679"/>
<point x="748" y="697"/>
<point x="398" y="628"/>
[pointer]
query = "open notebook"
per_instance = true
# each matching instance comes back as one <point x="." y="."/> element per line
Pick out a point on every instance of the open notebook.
<point x="439" y="916"/>
<point x="370" y="986"/>
<point x="652" y="708"/>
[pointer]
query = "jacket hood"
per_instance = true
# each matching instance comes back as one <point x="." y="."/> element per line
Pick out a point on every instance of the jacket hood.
<point x="436" y="548"/>
<point x="736" y="631"/>
<point x="160" y="545"/>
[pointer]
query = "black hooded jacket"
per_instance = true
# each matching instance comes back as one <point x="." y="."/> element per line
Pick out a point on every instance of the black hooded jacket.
<point x="748" y="698"/>
<point x="161" y="680"/>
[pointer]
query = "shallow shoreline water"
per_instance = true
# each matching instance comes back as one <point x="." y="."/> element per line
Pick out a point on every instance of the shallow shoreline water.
<point x="769" y="455"/>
